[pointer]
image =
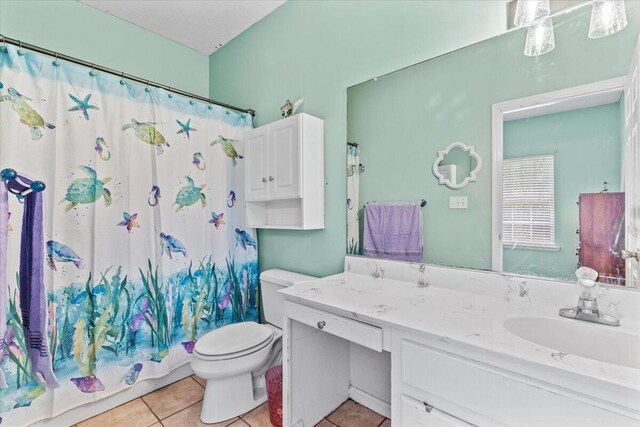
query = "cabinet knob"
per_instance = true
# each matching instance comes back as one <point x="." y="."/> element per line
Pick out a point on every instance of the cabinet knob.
<point x="270" y="178"/>
<point x="264" y="179"/>
<point x="321" y="324"/>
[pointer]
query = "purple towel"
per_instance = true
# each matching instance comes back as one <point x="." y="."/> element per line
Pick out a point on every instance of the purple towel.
<point x="4" y="302"/>
<point x="33" y="298"/>
<point x="393" y="231"/>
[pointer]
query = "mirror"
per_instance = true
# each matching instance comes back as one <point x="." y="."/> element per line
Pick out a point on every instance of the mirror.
<point x="556" y="184"/>
<point x="559" y="166"/>
<point x="457" y="165"/>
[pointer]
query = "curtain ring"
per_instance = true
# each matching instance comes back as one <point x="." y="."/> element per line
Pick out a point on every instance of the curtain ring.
<point x="92" y="73"/>
<point x="21" y="51"/>
<point x="191" y="101"/>
<point x="55" y="62"/>
<point x="3" y="47"/>
<point x="170" y="95"/>
<point x="147" y="89"/>
<point x="122" y="80"/>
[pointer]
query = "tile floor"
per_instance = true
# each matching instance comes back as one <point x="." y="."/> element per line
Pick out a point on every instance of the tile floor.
<point x="179" y="405"/>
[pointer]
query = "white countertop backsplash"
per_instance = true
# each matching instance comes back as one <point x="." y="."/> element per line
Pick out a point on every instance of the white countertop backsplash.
<point x="468" y="308"/>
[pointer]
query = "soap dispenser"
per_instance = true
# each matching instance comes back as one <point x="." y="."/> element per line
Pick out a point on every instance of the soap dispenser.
<point x="587" y="308"/>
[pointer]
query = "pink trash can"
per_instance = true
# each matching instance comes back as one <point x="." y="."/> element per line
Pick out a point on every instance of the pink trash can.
<point x="273" y="378"/>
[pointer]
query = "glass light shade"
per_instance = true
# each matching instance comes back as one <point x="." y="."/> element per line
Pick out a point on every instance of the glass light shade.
<point x="540" y="38"/>
<point x="607" y="17"/>
<point x="529" y="11"/>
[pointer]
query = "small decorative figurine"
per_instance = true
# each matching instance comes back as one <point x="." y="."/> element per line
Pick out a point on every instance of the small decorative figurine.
<point x="289" y="109"/>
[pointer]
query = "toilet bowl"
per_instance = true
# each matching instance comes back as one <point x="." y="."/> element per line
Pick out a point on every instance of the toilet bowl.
<point x="233" y="358"/>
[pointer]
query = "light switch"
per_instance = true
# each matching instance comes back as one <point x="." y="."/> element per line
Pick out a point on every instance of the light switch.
<point x="458" y="202"/>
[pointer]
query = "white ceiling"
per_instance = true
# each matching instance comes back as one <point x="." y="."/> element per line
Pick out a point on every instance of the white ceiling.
<point x="204" y="25"/>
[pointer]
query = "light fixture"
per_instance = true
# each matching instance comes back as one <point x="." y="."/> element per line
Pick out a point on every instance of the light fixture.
<point x="529" y="11"/>
<point x="540" y="38"/>
<point x="607" y="17"/>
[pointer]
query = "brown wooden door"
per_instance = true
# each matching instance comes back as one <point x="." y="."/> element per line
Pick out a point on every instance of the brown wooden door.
<point x="602" y="235"/>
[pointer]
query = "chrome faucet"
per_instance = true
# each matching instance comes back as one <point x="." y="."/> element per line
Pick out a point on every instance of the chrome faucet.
<point x="587" y="308"/>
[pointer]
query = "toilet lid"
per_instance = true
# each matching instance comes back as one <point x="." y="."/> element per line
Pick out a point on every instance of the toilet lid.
<point x="233" y="338"/>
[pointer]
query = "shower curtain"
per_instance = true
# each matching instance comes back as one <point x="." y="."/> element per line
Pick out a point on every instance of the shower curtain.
<point x="353" y="190"/>
<point x="145" y="248"/>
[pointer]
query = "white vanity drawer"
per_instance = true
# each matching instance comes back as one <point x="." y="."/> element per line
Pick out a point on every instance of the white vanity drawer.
<point x="417" y="414"/>
<point x="360" y="333"/>
<point x="486" y="395"/>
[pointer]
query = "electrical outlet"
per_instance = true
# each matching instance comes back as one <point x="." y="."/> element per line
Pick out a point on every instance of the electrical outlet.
<point x="459" y="202"/>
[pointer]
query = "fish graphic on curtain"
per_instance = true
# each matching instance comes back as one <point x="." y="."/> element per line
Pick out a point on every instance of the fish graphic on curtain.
<point x="131" y="279"/>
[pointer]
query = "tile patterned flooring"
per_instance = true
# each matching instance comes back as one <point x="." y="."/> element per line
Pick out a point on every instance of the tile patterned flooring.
<point x="179" y="405"/>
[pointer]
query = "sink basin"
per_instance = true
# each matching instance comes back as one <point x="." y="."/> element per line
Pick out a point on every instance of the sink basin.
<point x="592" y="341"/>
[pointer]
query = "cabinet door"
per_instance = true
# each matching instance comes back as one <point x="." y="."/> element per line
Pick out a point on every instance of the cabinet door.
<point x="256" y="173"/>
<point x="284" y="150"/>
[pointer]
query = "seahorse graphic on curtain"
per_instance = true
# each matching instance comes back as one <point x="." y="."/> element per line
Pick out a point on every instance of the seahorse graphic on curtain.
<point x="144" y="242"/>
<point x="353" y="192"/>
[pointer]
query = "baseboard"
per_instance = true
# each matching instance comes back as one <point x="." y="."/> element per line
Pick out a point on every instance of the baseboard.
<point x="371" y="402"/>
<point x="75" y="415"/>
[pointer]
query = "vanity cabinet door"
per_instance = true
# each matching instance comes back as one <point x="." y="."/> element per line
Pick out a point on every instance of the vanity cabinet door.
<point x="256" y="146"/>
<point x="418" y="414"/>
<point x="284" y="169"/>
<point x="488" y="395"/>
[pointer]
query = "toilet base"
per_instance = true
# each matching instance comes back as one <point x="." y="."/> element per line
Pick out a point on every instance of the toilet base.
<point x="227" y="398"/>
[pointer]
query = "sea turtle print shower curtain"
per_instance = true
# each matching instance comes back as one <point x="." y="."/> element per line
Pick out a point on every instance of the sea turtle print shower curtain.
<point x="353" y="193"/>
<point x="144" y="246"/>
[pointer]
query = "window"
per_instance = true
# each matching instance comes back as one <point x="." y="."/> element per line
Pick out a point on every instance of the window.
<point x="528" y="217"/>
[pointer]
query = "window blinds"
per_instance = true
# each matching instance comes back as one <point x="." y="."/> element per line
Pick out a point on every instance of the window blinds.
<point x="528" y="217"/>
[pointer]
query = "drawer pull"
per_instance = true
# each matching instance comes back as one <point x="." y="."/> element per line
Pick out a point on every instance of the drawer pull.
<point x="270" y="178"/>
<point x="321" y="324"/>
<point x="428" y="408"/>
<point x="264" y="179"/>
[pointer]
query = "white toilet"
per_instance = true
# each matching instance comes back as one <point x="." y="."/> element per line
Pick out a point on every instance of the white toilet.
<point x="234" y="358"/>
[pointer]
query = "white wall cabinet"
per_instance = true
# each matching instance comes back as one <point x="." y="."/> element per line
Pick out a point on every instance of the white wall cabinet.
<point x="284" y="174"/>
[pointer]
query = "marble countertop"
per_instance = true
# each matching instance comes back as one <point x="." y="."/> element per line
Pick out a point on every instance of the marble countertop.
<point x="465" y="319"/>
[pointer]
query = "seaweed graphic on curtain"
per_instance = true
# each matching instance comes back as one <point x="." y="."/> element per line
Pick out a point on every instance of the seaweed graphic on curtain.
<point x="202" y="284"/>
<point x="90" y="335"/>
<point x="155" y="311"/>
<point x="207" y="301"/>
<point x="116" y="300"/>
<point x="236" y="293"/>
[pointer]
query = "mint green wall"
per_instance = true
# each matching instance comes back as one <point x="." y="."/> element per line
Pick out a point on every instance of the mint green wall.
<point x="317" y="49"/>
<point x="587" y="147"/>
<point x="76" y="29"/>
<point x="402" y="119"/>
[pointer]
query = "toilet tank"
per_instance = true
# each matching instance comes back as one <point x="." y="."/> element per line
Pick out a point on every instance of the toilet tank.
<point x="271" y="281"/>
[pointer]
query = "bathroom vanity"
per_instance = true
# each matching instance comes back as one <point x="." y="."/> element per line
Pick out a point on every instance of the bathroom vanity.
<point x="466" y="348"/>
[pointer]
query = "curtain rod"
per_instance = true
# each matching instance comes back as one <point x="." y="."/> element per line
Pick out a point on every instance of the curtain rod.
<point x="123" y="75"/>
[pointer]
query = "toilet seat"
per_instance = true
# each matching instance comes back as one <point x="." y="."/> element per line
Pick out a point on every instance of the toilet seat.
<point x="233" y="341"/>
<point x="234" y="355"/>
